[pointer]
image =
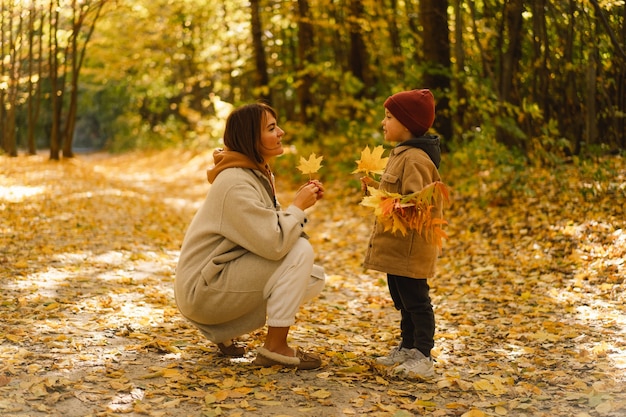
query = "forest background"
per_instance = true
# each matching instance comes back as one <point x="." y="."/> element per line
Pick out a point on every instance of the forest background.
<point x="531" y="101"/>
<point x="545" y="79"/>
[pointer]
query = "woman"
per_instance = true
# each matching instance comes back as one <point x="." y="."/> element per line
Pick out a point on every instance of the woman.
<point x="244" y="259"/>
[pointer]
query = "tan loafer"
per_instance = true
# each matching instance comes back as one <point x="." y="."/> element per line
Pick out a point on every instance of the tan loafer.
<point x="302" y="360"/>
<point x="234" y="350"/>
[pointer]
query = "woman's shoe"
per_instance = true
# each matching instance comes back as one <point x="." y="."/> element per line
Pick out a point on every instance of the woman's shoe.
<point x="234" y="350"/>
<point x="302" y="360"/>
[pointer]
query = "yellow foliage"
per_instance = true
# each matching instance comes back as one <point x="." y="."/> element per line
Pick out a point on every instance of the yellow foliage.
<point x="371" y="161"/>
<point x="311" y="165"/>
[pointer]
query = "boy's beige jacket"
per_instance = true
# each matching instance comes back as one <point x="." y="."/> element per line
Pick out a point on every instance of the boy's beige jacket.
<point x="408" y="170"/>
<point x="233" y="245"/>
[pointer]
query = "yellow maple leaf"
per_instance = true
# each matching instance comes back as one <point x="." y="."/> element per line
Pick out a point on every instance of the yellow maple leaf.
<point x="310" y="166"/>
<point x="371" y="161"/>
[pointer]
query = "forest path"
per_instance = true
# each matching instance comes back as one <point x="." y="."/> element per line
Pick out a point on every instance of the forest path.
<point x="530" y="305"/>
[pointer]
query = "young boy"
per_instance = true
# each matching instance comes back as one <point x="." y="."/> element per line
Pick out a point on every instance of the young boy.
<point x="409" y="260"/>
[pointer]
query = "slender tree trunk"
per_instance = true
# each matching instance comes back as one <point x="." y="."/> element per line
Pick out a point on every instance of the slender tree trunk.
<point x="591" y="128"/>
<point x="71" y="57"/>
<point x="358" y="57"/>
<point x="433" y="17"/>
<point x="619" y="63"/>
<point x="510" y="60"/>
<point x="13" y="79"/>
<point x="305" y="58"/>
<point x="541" y="55"/>
<point x="56" y="92"/>
<point x="34" y="88"/>
<point x="572" y="124"/>
<point x="30" y="135"/>
<point x="620" y="127"/>
<point x="76" y="57"/>
<point x="510" y="45"/>
<point x="487" y="69"/>
<point x="621" y="89"/>
<point x="414" y="29"/>
<point x="3" y="53"/>
<point x="394" y="39"/>
<point x="459" y="77"/>
<point x="262" y="76"/>
<point x="340" y="49"/>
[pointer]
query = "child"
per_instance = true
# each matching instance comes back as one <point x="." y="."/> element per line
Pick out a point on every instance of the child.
<point x="409" y="260"/>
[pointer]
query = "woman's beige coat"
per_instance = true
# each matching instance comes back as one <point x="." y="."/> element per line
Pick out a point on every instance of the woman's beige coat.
<point x="232" y="246"/>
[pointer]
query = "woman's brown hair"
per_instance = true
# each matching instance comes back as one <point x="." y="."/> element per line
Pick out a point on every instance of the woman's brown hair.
<point x="243" y="129"/>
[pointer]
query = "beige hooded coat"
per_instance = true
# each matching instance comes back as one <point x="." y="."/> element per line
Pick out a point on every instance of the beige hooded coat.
<point x="233" y="245"/>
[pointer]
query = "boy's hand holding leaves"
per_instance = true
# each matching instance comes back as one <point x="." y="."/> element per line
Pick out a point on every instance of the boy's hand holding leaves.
<point x="397" y="212"/>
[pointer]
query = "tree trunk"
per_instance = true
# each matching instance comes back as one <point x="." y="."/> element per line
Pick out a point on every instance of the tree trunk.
<point x="458" y="118"/>
<point x="540" y="58"/>
<point x="34" y="88"/>
<point x="76" y="56"/>
<point x="3" y="53"/>
<point x="433" y="17"/>
<point x="71" y="57"/>
<point x="485" y="59"/>
<point x="56" y="98"/>
<point x="414" y="29"/>
<point x="509" y="62"/>
<point x="358" y="56"/>
<point x="512" y="55"/>
<point x="397" y="57"/>
<point x="340" y="49"/>
<point x="261" y="76"/>
<point x="591" y="128"/>
<point x="571" y="123"/>
<point x="30" y="133"/>
<point x="621" y="89"/>
<point x="305" y="58"/>
<point x="13" y="80"/>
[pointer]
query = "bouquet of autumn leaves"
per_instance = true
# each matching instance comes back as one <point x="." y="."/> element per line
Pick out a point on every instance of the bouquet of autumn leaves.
<point x="397" y="212"/>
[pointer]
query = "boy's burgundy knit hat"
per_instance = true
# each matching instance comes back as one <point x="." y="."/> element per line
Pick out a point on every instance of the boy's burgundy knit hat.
<point x="415" y="109"/>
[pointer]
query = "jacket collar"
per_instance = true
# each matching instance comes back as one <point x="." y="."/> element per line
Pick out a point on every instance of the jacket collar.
<point x="428" y="143"/>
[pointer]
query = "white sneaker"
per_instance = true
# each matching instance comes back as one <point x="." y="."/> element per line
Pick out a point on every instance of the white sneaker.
<point x="417" y="367"/>
<point x="397" y="356"/>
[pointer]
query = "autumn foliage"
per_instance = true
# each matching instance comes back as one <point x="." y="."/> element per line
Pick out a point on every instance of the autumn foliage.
<point x="400" y="213"/>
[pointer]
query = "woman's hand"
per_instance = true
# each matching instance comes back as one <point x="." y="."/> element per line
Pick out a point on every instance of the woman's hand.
<point x="308" y="194"/>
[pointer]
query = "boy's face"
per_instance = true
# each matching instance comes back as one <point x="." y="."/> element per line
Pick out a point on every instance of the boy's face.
<point x="393" y="130"/>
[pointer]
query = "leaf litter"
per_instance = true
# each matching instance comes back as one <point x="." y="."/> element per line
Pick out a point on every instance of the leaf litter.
<point x="529" y="301"/>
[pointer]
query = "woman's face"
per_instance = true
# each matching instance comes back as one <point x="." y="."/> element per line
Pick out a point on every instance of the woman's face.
<point x="393" y="130"/>
<point x="271" y="138"/>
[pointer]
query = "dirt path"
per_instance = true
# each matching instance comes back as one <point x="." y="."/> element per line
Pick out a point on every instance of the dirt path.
<point x="529" y="324"/>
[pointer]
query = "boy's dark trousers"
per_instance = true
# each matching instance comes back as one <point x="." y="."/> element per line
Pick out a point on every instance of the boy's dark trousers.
<point x="411" y="297"/>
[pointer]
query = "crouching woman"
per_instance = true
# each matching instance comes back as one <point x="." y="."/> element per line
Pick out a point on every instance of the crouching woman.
<point x="244" y="261"/>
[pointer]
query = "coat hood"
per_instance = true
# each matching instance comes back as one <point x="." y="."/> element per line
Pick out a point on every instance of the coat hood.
<point x="224" y="159"/>
<point x="429" y="144"/>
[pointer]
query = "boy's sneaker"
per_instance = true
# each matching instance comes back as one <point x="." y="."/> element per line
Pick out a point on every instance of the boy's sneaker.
<point x="417" y="367"/>
<point x="397" y="356"/>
